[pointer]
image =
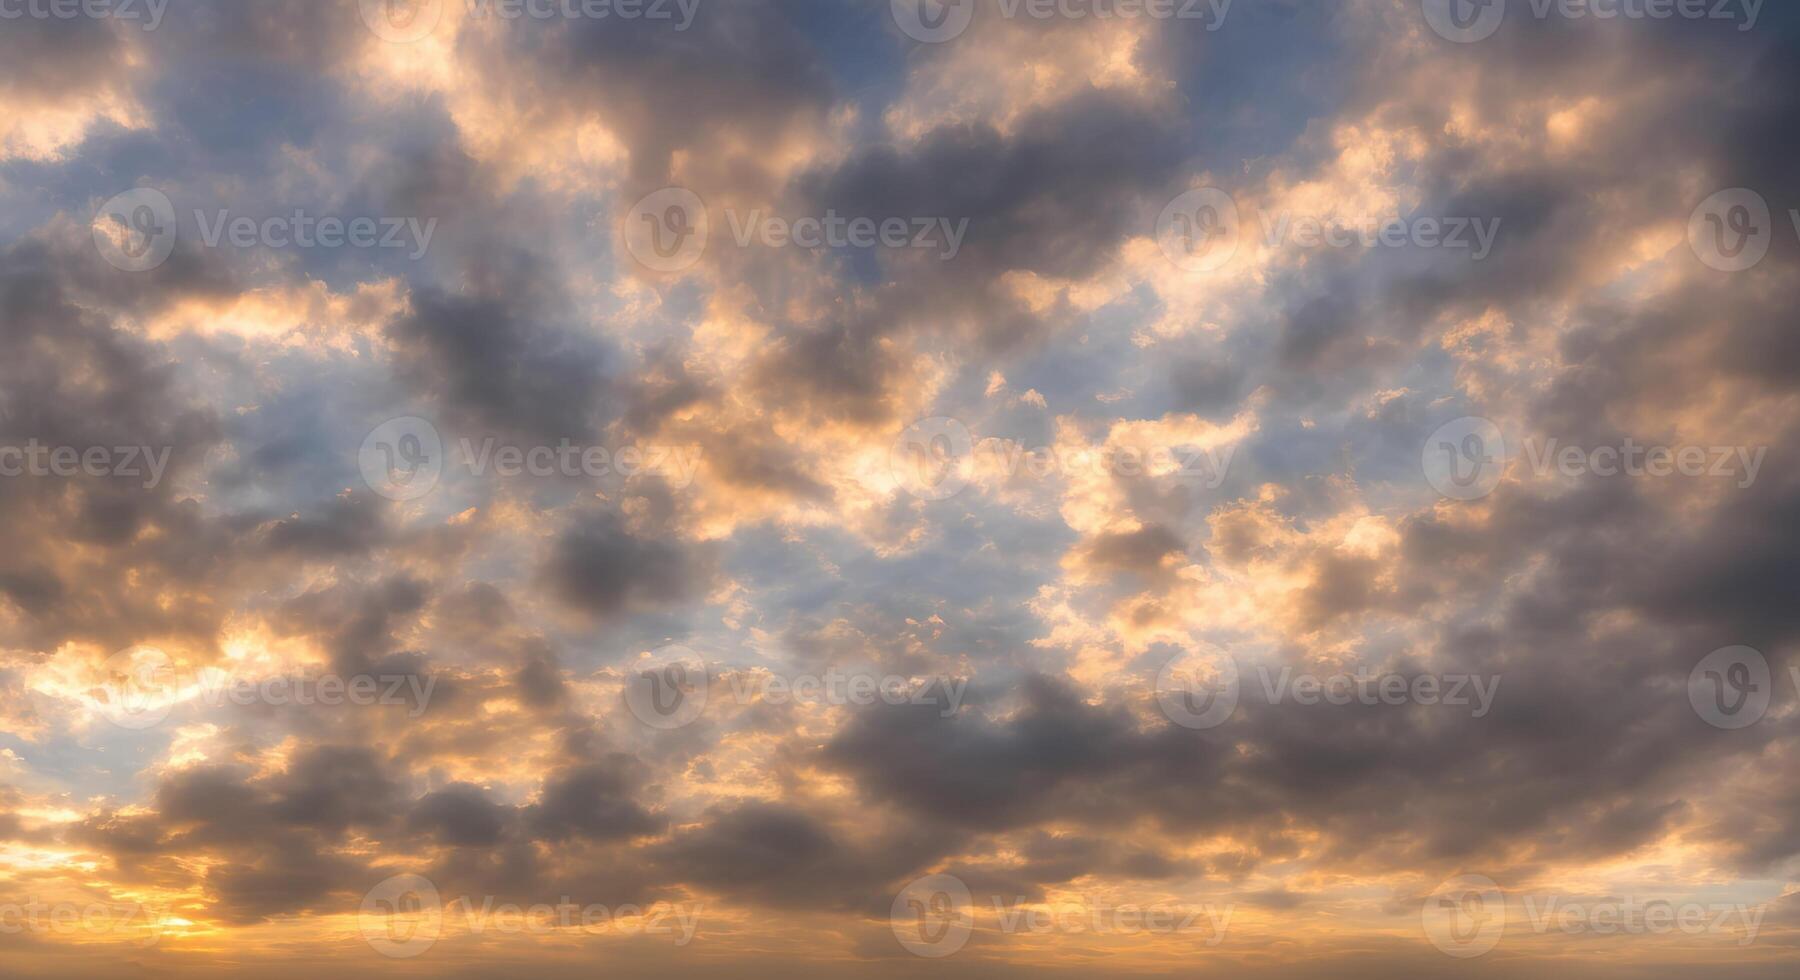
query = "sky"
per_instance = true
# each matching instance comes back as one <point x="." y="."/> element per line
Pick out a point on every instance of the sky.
<point x="886" y="488"/>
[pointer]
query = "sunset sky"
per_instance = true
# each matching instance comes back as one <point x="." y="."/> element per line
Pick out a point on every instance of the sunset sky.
<point x="955" y="488"/>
